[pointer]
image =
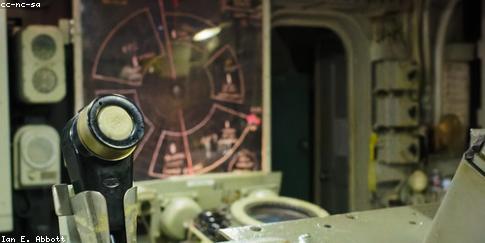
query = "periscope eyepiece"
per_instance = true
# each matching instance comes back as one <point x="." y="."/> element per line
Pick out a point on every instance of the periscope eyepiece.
<point x="98" y="145"/>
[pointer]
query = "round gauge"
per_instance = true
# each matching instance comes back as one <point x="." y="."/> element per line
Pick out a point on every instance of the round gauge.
<point x="201" y="114"/>
<point x="270" y="209"/>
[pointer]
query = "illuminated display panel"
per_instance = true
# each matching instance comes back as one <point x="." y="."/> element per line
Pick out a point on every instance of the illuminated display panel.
<point x="193" y="67"/>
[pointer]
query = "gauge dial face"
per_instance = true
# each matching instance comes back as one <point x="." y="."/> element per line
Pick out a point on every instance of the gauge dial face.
<point x="193" y="67"/>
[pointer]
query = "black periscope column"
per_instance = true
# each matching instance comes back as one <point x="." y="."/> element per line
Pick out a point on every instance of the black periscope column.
<point x="98" y="145"/>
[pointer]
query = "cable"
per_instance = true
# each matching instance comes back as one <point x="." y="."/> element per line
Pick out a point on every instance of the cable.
<point x="438" y="55"/>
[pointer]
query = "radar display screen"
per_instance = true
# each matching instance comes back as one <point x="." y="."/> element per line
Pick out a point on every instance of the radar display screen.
<point x="193" y="67"/>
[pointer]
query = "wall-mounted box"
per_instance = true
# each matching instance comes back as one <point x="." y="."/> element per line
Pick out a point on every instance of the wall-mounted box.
<point x="398" y="148"/>
<point x="41" y="69"/>
<point x="395" y="111"/>
<point x="396" y="76"/>
<point x="37" y="156"/>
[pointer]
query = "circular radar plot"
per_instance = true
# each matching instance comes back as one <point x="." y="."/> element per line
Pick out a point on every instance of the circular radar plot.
<point x="190" y="94"/>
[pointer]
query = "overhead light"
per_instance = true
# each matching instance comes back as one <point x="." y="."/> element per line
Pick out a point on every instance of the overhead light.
<point x="206" y="34"/>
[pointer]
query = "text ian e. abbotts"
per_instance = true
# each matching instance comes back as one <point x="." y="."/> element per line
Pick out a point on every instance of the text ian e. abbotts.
<point x="39" y="238"/>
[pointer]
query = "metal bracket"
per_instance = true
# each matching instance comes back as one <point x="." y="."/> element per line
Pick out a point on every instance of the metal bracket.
<point x="477" y="142"/>
<point x="84" y="217"/>
<point x="67" y="28"/>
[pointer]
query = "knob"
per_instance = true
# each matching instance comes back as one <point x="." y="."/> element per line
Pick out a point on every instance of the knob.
<point x="98" y="145"/>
